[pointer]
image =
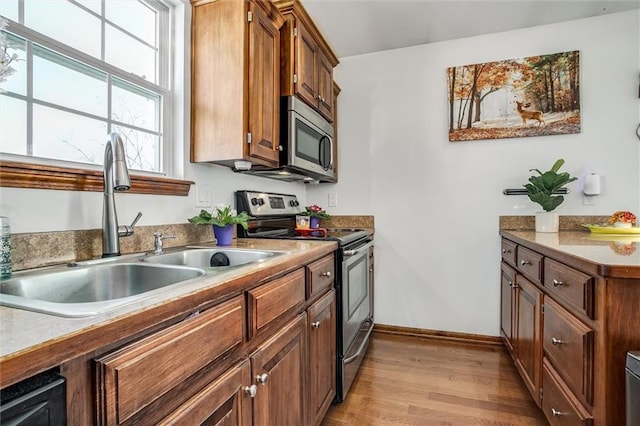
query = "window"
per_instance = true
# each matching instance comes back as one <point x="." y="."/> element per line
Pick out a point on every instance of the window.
<point x="87" y="68"/>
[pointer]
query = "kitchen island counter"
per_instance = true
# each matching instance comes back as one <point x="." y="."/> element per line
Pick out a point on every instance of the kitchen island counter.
<point x="599" y="254"/>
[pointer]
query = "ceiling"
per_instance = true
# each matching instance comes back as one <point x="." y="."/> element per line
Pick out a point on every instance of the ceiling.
<point x="355" y="27"/>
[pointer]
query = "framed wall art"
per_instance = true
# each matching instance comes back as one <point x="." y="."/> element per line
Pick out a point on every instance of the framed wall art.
<point x="533" y="96"/>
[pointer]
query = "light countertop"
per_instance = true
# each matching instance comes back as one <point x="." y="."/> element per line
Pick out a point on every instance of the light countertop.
<point x="615" y="255"/>
<point x="33" y="337"/>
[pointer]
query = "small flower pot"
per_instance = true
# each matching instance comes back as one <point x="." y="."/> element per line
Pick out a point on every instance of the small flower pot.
<point x="314" y="222"/>
<point x="223" y="234"/>
<point x="547" y="222"/>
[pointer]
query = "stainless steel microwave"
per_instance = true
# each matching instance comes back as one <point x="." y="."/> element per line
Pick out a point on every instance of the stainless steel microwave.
<point x="306" y="146"/>
<point x="307" y="139"/>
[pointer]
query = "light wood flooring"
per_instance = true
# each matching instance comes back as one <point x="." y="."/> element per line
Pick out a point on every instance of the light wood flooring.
<point x="418" y="381"/>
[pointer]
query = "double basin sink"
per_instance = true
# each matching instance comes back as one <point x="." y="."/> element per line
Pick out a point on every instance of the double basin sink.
<point x="92" y="287"/>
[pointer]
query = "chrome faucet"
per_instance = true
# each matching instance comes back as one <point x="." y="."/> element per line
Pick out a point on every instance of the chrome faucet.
<point x="116" y="178"/>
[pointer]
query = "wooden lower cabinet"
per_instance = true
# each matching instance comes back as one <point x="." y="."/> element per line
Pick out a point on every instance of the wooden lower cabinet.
<point x="571" y="322"/>
<point x="528" y="348"/>
<point x="226" y="401"/>
<point x="322" y="356"/>
<point x="279" y="368"/>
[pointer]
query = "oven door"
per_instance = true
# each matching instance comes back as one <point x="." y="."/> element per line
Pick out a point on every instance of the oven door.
<point x="356" y="292"/>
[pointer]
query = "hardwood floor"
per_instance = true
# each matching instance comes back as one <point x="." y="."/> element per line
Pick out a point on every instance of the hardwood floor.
<point x="417" y="381"/>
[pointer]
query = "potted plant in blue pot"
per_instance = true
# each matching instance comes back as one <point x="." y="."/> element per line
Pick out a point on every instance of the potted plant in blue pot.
<point x="222" y="218"/>
<point x="315" y="213"/>
<point x="541" y="189"/>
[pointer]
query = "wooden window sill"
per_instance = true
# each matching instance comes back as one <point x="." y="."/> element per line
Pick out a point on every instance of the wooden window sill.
<point x="26" y="175"/>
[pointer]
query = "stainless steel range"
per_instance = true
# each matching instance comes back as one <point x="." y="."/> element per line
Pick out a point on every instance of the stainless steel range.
<point x="275" y="218"/>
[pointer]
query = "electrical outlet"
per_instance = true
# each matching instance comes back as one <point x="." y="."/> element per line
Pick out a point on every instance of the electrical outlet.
<point x="203" y="195"/>
<point x="333" y="199"/>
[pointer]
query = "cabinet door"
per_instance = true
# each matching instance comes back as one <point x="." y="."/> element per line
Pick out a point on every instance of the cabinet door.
<point x="528" y="345"/>
<point x="264" y="86"/>
<point x="306" y="65"/>
<point x="226" y="401"/>
<point x="508" y="305"/>
<point x="325" y="86"/>
<point x="322" y="356"/>
<point x="279" y="368"/>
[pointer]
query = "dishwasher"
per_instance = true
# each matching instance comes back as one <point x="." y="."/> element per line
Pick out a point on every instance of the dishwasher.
<point x="633" y="388"/>
<point x="37" y="401"/>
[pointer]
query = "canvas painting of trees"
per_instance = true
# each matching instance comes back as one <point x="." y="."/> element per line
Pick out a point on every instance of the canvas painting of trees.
<point x="534" y="96"/>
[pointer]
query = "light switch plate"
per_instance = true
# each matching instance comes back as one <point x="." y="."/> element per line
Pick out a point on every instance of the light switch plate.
<point x="333" y="199"/>
<point x="203" y="195"/>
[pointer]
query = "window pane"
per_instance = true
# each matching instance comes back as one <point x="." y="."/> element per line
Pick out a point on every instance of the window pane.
<point x="93" y="5"/>
<point x="9" y="9"/>
<point x="66" y="23"/>
<point x="135" y="17"/>
<point x="13" y="125"/>
<point x="63" y="136"/>
<point x="142" y="149"/>
<point x="129" y="54"/>
<point x="63" y="81"/>
<point x="135" y="106"/>
<point x="17" y="82"/>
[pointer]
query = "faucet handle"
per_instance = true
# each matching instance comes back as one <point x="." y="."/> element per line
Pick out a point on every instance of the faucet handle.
<point x="127" y="230"/>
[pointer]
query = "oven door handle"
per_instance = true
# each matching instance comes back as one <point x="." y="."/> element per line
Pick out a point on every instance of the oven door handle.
<point x="362" y="345"/>
<point x="349" y="253"/>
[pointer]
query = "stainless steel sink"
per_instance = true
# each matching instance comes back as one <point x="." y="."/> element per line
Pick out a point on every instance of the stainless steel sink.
<point x="218" y="258"/>
<point x="89" y="290"/>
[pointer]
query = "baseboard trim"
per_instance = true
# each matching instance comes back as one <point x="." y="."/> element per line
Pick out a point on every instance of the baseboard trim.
<point x="476" y="339"/>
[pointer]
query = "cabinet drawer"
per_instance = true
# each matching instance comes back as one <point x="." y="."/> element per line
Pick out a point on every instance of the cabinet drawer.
<point x="568" y="344"/>
<point x="570" y="286"/>
<point x="133" y="377"/>
<point x="267" y="302"/>
<point x="508" y="250"/>
<point x="559" y="406"/>
<point x="320" y="276"/>
<point x="530" y="264"/>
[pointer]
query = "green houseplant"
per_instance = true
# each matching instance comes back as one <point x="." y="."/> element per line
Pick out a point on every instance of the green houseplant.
<point x="223" y="217"/>
<point x="541" y="189"/>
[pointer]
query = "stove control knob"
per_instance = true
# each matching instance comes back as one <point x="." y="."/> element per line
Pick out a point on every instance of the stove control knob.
<point x="254" y="201"/>
<point x="292" y="203"/>
<point x="260" y="201"/>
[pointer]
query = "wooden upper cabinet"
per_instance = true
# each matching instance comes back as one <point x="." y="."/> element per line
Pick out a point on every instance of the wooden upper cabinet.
<point x="235" y="82"/>
<point x="307" y="59"/>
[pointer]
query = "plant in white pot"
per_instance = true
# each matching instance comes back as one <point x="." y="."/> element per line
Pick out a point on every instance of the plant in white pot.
<point x="541" y="188"/>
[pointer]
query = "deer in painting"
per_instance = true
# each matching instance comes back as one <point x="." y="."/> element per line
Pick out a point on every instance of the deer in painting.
<point x="529" y="114"/>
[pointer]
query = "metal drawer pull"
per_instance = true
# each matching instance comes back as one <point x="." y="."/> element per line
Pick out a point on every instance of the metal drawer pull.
<point x="251" y="390"/>
<point x="505" y="251"/>
<point x="557" y="413"/>
<point x="557" y="283"/>
<point x="525" y="262"/>
<point x="262" y="378"/>
<point x="315" y="324"/>
<point x="326" y="274"/>
<point x="511" y="284"/>
<point x="556" y="341"/>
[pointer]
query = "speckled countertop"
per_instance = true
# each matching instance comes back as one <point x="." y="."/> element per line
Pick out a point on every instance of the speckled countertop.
<point x="615" y="255"/>
<point x="33" y="341"/>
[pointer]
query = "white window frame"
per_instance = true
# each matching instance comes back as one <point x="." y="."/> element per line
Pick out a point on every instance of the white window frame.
<point x="171" y="17"/>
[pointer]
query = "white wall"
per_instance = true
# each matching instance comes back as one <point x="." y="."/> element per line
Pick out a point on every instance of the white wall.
<point x="436" y="203"/>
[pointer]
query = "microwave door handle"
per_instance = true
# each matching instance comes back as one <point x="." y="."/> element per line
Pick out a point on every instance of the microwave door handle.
<point x="322" y="157"/>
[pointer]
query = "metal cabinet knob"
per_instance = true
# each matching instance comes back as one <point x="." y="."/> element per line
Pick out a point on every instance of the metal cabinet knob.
<point x="525" y="262"/>
<point x="511" y="284"/>
<point x="505" y="251"/>
<point x="315" y="324"/>
<point x="326" y="274"/>
<point x="557" y="283"/>
<point x="262" y="378"/>
<point x="556" y="413"/>
<point x="555" y="341"/>
<point x="251" y="390"/>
